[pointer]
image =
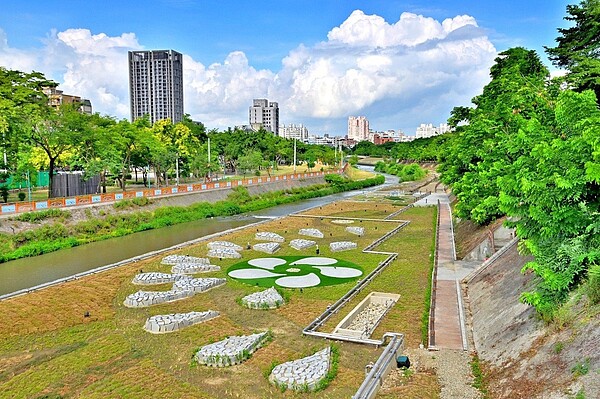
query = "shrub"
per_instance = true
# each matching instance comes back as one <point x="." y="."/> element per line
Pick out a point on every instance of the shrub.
<point x="593" y="285"/>
<point x="21" y="196"/>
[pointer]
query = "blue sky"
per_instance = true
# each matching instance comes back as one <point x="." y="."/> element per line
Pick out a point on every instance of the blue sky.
<point x="321" y="60"/>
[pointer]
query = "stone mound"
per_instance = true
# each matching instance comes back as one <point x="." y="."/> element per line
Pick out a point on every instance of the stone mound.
<point x="267" y="299"/>
<point x="197" y="285"/>
<point x="302" y="374"/>
<point x="268" y="236"/>
<point x="193" y="268"/>
<point x="175" y="259"/>
<point x="224" y="245"/>
<point x="175" y="321"/>
<point x="311" y="233"/>
<point x="302" y="244"/>
<point x="267" y="247"/>
<point x="224" y="253"/>
<point x="342" y="246"/>
<point x="230" y="351"/>
<point x="153" y="278"/>
<point x="359" y="231"/>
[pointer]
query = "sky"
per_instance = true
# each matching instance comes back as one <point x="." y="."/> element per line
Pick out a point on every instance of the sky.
<point x="399" y="63"/>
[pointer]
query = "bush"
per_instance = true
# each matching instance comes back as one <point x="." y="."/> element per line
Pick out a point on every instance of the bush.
<point x="593" y="285"/>
<point x="21" y="196"/>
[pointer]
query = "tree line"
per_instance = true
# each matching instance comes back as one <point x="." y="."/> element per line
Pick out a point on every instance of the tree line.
<point x="35" y="136"/>
<point x="529" y="149"/>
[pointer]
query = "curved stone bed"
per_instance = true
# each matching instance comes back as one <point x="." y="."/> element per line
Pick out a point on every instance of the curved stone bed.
<point x="183" y="288"/>
<point x="223" y="253"/>
<point x="301" y="244"/>
<point x="359" y="231"/>
<point x="175" y="321"/>
<point x="193" y="268"/>
<point x="303" y="374"/>
<point x="175" y="259"/>
<point x="342" y="246"/>
<point x="197" y="285"/>
<point x="268" y="236"/>
<point x="230" y="351"/>
<point x="267" y="247"/>
<point x="267" y="299"/>
<point x="224" y="245"/>
<point x="153" y="278"/>
<point x="311" y="233"/>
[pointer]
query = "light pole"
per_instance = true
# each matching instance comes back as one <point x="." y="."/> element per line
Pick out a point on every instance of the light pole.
<point x="294" y="155"/>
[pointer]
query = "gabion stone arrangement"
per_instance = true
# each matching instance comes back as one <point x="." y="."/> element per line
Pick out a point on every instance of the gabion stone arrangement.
<point x="268" y="247"/>
<point x="142" y="299"/>
<point x="267" y="299"/>
<point x="224" y="245"/>
<point x="303" y="374"/>
<point x="268" y="236"/>
<point x="172" y="322"/>
<point x="230" y="351"/>
<point x="223" y="253"/>
<point x="197" y="285"/>
<point x="311" y="233"/>
<point x="153" y="278"/>
<point x="300" y="244"/>
<point x="193" y="268"/>
<point x="342" y="246"/>
<point x="359" y="231"/>
<point x="183" y="288"/>
<point x="175" y="259"/>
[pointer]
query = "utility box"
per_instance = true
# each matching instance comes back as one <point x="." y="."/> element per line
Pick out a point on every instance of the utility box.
<point x="403" y="361"/>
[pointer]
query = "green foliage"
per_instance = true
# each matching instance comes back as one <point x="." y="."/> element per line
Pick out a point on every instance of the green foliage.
<point x="406" y="172"/>
<point x="333" y="369"/>
<point x="4" y="193"/>
<point x="427" y="308"/>
<point x="21" y="196"/>
<point x="478" y="377"/>
<point x="581" y="368"/>
<point x="558" y="347"/>
<point x="35" y="217"/>
<point x="593" y="284"/>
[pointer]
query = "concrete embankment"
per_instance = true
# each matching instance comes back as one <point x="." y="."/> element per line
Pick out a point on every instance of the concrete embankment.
<point x="524" y="357"/>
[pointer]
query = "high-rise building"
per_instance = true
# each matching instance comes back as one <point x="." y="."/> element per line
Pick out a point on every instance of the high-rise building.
<point x="264" y="114"/>
<point x="156" y="85"/>
<point x="358" y="128"/>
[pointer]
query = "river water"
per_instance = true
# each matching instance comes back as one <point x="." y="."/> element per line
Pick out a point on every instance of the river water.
<point x="29" y="272"/>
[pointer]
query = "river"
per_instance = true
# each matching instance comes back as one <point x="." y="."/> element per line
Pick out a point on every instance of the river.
<point x="29" y="272"/>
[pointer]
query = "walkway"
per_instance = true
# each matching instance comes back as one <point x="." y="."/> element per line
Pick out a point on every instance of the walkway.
<point x="447" y="324"/>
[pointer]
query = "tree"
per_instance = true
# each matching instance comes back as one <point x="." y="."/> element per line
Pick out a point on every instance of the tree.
<point x="578" y="47"/>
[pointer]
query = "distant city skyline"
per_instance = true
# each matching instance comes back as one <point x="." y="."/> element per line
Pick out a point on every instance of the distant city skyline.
<point x="399" y="63"/>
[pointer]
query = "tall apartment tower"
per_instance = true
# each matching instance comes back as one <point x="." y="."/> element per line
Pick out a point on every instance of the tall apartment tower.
<point x="156" y="85"/>
<point x="264" y="114"/>
<point x="358" y="128"/>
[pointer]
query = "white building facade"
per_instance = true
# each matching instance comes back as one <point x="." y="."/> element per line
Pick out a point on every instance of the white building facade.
<point x="292" y="131"/>
<point x="264" y="113"/>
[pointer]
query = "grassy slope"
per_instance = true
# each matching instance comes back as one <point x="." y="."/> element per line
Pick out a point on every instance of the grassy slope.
<point x="47" y="346"/>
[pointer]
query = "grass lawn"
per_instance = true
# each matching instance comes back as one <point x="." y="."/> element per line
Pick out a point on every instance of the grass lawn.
<point x="48" y="347"/>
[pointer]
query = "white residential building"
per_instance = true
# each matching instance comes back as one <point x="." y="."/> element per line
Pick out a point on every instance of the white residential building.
<point x="264" y="114"/>
<point x="358" y="128"/>
<point x="428" y="130"/>
<point x="292" y="131"/>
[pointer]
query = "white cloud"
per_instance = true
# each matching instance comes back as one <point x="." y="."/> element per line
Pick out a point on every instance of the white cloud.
<point x="397" y="74"/>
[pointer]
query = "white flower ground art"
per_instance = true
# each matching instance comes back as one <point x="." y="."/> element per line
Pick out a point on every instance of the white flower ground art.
<point x="295" y="271"/>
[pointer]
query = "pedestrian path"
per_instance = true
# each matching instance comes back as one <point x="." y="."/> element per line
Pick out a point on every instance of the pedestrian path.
<point x="447" y="322"/>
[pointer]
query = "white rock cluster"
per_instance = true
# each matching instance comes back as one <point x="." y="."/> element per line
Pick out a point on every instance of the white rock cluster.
<point x="143" y="299"/>
<point x="197" y="285"/>
<point x="175" y="259"/>
<point x="342" y="246"/>
<point x="193" y="268"/>
<point x="171" y="322"/>
<point x="223" y="253"/>
<point x="342" y="221"/>
<point x="268" y="247"/>
<point x="230" y="351"/>
<point x="359" y="231"/>
<point x="267" y="299"/>
<point x="368" y="318"/>
<point x="153" y="278"/>
<point x="311" y="233"/>
<point x="302" y="374"/>
<point x="224" y="245"/>
<point x="268" y="236"/>
<point x="300" y="243"/>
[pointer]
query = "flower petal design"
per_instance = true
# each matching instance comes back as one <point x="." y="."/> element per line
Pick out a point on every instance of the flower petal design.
<point x="308" y="280"/>
<point x="314" y="261"/>
<point x="339" y="272"/>
<point x="246" y="274"/>
<point x="266" y="263"/>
